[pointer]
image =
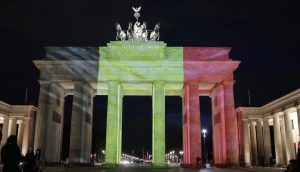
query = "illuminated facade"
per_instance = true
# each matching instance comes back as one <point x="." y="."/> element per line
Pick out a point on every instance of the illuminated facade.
<point x="18" y="120"/>
<point x="256" y="124"/>
<point x="136" y="68"/>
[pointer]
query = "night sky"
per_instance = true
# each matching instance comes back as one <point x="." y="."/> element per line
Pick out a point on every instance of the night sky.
<point x="263" y="36"/>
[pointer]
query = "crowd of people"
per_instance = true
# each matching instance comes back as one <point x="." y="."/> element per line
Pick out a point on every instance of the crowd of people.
<point x="12" y="158"/>
<point x="294" y="165"/>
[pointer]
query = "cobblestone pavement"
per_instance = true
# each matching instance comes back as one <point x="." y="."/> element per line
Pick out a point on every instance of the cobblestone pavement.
<point x="99" y="169"/>
<point x="95" y="169"/>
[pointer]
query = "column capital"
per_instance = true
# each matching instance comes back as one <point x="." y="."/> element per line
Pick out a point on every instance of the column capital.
<point x="266" y="119"/>
<point x="259" y="121"/>
<point x="112" y="82"/>
<point x="278" y="114"/>
<point x="252" y="122"/>
<point x="245" y="120"/>
<point x="156" y="83"/>
<point x="43" y="82"/>
<point x="228" y="82"/>
<point x="287" y="110"/>
<point x="192" y="84"/>
<point x="20" y="121"/>
<point x="79" y="82"/>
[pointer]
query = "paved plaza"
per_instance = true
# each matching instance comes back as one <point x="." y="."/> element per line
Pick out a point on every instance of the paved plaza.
<point x="89" y="169"/>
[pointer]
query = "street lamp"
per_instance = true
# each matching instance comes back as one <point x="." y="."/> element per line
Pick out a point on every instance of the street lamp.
<point x="204" y="131"/>
<point x="181" y="157"/>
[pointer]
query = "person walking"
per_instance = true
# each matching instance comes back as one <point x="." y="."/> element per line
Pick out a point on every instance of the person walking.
<point x="29" y="161"/>
<point x="10" y="155"/>
<point x="39" y="161"/>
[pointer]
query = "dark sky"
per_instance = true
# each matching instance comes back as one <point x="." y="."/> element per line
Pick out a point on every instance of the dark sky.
<point x="263" y="35"/>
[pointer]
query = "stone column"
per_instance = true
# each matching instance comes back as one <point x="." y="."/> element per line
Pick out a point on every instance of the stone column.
<point x="278" y="142"/>
<point x="12" y="127"/>
<point x="267" y="141"/>
<point x="231" y="130"/>
<point x="253" y="143"/>
<point x="114" y="123"/>
<point x="4" y="130"/>
<point x="158" y="124"/>
<point x="298" y="115"/>
<point x="260" y="148"/>
<point x="20" y="134"/>
<point x="77" y="124"/>
<point x="87" y="123"/>
<point x="43" y="113"/>
<point x="290" y="151"/>
<point x="191" y="124"/>
<point x="283" y="139"/>
<point x="218" y="126"/>
<point x="247" y="154"/>
<point x="25" y="144"/>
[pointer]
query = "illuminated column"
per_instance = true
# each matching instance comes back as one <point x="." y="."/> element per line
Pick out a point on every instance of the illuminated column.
<point x="78" y="140"/>
<point x="298" y="115"/>
<point x="114" y="124"/>
<point x="12" y="127"/>
<point x="191" y="124"/>
<point x="247" y="154"/>
<point x="253" y="143"/>
<point x="290" y="151"/>
<point x="218" y="124"/>
<point x="26" y="136"/>
<point x="87" y="123"/>
<point x="20" y="134"/>
<point x="277" y="138"/>
<point x="4" y="130"/>
<point x="283" y="139"/>
<point x="267" y="141"/>
<point x="231" y="130"/>
<point x="158" y="124"/>
<point x="260" y="148"/>
<point x="43" y="112"/>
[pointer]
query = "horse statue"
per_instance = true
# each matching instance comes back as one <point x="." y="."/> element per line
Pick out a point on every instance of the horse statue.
<point x="121" y="35"/>
<point x="154" y="36"/>
<point x="137" y="29"/>
<point x="130" y="34"/>
<point x="144" y="32"/>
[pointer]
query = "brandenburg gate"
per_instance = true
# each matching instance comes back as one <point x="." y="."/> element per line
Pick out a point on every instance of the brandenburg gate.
<point x="136" y="67"/>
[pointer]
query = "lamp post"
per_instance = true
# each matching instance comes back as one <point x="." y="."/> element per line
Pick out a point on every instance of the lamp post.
<point x="181" y="156"/>
<point x="204" y="131"/>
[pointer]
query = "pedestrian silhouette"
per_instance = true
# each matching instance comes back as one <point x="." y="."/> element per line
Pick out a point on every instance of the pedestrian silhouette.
<point x="10" y="155"/>
<point x="198" y="161"/>
<point x="29" y="161"/>
<point x="39" y="161"/>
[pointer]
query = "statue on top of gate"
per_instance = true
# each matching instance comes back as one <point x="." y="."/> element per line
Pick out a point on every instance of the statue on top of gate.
<point x="138" y="31"/>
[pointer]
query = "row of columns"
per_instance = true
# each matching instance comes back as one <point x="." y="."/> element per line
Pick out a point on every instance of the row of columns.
<point x="225" y="131"/>
<point x="80" y="138"/>
<point x="49" y="122"/>
<point x="114" y="124"/>
<point x="257" y="139"/>
<point x="10" y="128"/>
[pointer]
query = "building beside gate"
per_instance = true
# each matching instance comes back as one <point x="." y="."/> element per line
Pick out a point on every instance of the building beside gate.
<point x="18" y="120"/>
<point x="270" y="131"/>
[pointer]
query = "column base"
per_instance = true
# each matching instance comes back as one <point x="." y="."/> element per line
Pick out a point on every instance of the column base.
<point x="111" y="165"/>
<point x="159" y="165"/>
<point x="247" y="165"/>
<point x="78" y="161"/>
